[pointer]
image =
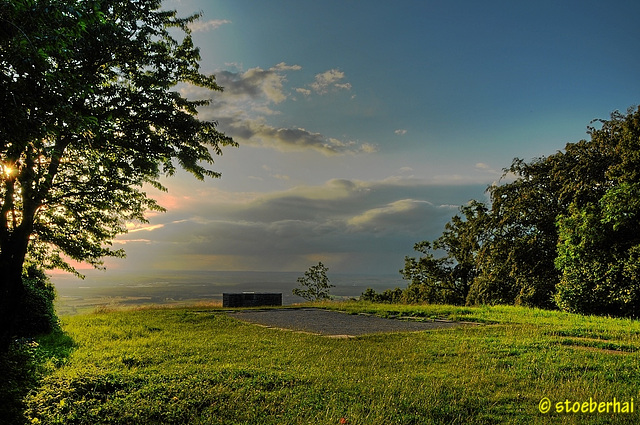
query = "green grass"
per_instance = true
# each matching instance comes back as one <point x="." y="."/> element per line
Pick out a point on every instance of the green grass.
<point x="199" y="366"/>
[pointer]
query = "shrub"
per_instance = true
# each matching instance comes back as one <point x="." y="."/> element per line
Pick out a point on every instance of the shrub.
<point x="392" y="296"/>
<point x="36" y="314"/>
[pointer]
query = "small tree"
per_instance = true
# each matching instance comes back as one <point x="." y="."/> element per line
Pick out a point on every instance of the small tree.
<point x="316" y="282"/>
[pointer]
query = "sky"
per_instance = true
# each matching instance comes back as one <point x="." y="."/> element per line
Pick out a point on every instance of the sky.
<point x="364" y="125"/>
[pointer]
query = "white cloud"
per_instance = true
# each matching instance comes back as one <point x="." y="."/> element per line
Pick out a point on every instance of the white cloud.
<point x="400" y="132"/>
<point x="200" y="26"/>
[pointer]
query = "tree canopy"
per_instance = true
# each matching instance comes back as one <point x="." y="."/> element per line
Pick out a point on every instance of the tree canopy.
<point x="91" y="113"/>
<point x="561" y="231"/>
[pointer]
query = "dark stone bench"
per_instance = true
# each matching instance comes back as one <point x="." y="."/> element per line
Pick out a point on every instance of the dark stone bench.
<point x="251" y="299"/>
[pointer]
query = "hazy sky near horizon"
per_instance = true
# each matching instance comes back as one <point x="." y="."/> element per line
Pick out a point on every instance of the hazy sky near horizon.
<point x="364" y="125"/>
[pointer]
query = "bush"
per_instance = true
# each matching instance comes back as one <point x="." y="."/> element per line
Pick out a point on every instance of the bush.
<point x="36" y="313"/>
<point x="390" y="296"/>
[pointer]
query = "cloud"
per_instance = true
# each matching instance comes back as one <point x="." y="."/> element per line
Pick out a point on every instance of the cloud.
<point x="344" y="86"/>
<point x="144" y="228"/>
<point x="275" y="174"/>
<point x="130" y="241"/>
<point x="280" y="177"/>
<point x="254" y="83"/>
<point x="368" y="148"/>
<point x="396" y="216"/>
<point x="331" y="79"/>
<point x="200" y="26"/>
<point x="282" y="66"/>
<point x="257" y="132"/>
<point x="250" y="97"/>
<point x="481" y="166"/>
<point x="400" y="132"/>
<point x="373" y="224"/>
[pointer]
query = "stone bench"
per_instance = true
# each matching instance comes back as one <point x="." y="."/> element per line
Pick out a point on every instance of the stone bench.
<point x="251" y="299"/>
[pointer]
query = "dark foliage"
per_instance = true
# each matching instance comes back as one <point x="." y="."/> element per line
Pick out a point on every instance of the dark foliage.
<point x="36" y="312"/>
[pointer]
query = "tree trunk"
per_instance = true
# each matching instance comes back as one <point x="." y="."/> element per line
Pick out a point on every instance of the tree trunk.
<point x="13" y="251"/>
<point x="11" y="293"/>
<point x="14" y="240"/>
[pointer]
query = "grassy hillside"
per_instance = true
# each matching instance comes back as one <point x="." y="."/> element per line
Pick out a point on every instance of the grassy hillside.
<point x="198" y="366"/>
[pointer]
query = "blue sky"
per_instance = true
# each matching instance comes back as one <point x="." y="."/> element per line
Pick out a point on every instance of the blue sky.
<point x="364" y="125"/>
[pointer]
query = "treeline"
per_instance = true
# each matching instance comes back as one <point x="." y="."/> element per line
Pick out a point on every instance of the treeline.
<point x="562" y="231"/>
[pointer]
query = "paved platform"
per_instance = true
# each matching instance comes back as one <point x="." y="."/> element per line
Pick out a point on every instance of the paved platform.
<point x="334" y="323"/>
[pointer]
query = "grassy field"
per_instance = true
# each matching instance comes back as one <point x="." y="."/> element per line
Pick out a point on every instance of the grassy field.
<point x="199" y="366"/>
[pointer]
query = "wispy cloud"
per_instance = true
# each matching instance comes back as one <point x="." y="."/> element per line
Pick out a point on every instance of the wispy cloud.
<point x="132" y="241"/>
<point x="486" y="168"/>
<point x="282" y="66"/>
<point x="131" y="228"/>
<point x="400" y="132"/>
<point x="203" y="26"/>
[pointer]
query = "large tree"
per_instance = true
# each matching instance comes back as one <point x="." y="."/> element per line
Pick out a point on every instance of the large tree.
<point x="90" y="115"/>
<point x="563" y="232"/>
<point x="519" y="261"/>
